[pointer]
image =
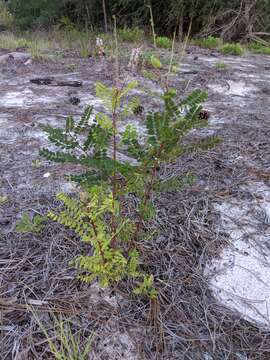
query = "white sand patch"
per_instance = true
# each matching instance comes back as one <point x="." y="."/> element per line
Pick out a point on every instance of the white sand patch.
<point x="231" y="87"/>
<point x="3" y="121"/>
<point x="114" y="343"/>
<point x="25" y="98"/>
<point x="118" y="345"/>
<point x="89" y="100"/>
<point x="209" y="59"/>
<point x="7" y="133"/>
<point x="240" y="279"/>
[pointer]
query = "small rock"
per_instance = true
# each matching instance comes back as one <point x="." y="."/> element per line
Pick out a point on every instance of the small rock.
<point x="195" y="58"/>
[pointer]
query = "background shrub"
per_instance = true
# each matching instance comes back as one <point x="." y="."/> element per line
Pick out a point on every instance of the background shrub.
<point x="168" y="15"/>
<point x="232" y="49"/>
<point x="163" y="42"/>
<point x="130" y="35"/>
<point x="209" y="43"/>
<point x="34" y="13"/>
<point x="257" y="48"/>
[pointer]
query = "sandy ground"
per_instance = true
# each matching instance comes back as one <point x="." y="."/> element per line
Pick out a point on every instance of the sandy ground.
<point x="233" y="185"/>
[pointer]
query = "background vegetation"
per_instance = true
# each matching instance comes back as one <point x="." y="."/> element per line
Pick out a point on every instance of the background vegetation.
<point x="231" y="20"/>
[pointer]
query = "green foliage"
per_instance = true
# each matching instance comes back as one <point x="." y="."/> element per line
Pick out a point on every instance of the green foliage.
<point x="220" y="65"/>
<point x="66" y="345"/>
<point x="175" y="183"/>
<point x="9" y="41"/>
<point x="89" y="136"/>
<point x="37" y="48"/>
<point x="98" y="217"/>
<point x="155" y="62"/>
<point x="146" y="288"/>
<point x="64" y="23"/>
<point x="163" y="42"/>
<point x="210" y="42"/>
<point x="130" y="35"/>
<point x="88" y="220"/>
<point x="32" y="13"/>
<point x="150" y="60"/>
<point x="232" y="49"/>
<point x="28" y="225"/>
<point x="165" y="14"/>
<point x="257" y="48"/>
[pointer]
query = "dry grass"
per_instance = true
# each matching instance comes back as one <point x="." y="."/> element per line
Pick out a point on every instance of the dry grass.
<point x="186" y="322"/>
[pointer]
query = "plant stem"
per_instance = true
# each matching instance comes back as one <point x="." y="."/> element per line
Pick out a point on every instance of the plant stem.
<point x="153" y="26"/>
<point x="149" y="188"/>
<point x="105" y="16"/>
<point x="114" y="185"/>
<point x="171" y="61"/>
<point x="116" y="51"/>
<point x="150" y="184"/>
<point x="98" y="242"/>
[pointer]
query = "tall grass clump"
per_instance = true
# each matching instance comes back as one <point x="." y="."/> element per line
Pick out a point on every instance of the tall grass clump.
<point x="210" y="42"/>
<point x="220" y="65"/>
<point x="40" y="46"/>
<point x="257" y="48"/>
<point x="64" y="344"/>
<point x="10" y="41"/>
<point x="232" y="49"/>
<point x="75" y="40"/>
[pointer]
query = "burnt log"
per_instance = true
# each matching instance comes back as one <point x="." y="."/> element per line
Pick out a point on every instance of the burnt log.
<point x="52" y="82"/>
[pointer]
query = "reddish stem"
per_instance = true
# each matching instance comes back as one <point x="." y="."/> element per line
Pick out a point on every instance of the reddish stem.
<point x="114" y="189"/>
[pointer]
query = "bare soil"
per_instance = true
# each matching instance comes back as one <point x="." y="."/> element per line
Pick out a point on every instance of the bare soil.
<point x="190" y="321"/>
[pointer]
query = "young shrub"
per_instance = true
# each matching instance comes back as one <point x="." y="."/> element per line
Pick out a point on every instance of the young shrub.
<point x="210" y="42"/>
<point x="232" y="49"/>
<point x="99" y="217"/>
<point x="163" y="42"/>
<point x="28" y="225"/>
<point x="84" y="47"/>
<point x="130" y="35"/>
<point x="150" y="61"/>
<point x="257" y="48"/>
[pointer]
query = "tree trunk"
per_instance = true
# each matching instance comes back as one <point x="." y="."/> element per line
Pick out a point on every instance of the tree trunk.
<point x="105" y="16"/>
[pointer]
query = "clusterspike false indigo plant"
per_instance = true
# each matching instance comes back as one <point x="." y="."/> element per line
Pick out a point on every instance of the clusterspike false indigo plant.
<point x="95" y="142"/>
